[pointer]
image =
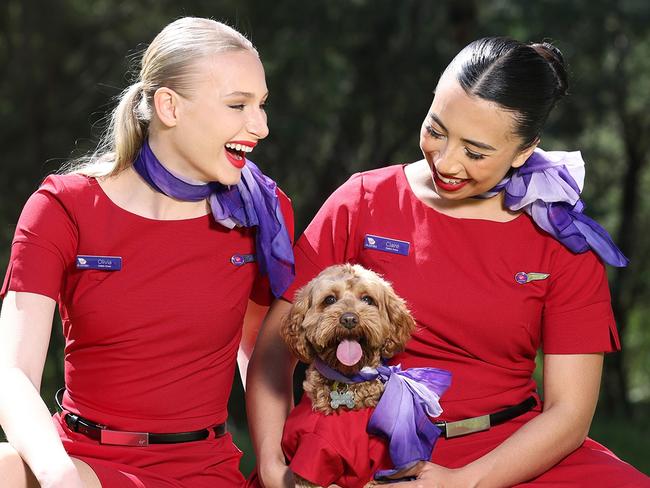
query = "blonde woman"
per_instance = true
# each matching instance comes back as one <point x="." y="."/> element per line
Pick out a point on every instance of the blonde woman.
<point x="153" y="249"/>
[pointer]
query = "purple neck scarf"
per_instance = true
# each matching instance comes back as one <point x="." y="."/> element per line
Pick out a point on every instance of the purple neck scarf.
<point x="402" y="415"/>
<point x="252" y="202"/>
<point x="547" y="187"/>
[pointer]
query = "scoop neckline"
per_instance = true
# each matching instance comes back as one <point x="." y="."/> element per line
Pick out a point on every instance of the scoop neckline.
<point x="102" y="193"/>
<point x="407" y="185"/>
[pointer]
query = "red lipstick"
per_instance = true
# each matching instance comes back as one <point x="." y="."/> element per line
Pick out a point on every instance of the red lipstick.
<point x="237" y="162"/>
<point x="244" y="143"/>
<point x="447" y="186"/>
<point x="238" y="158"/>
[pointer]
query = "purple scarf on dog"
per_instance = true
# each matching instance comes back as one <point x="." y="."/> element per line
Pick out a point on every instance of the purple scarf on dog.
<point x="402" y="415"/>
<point x="252" y="202"/>
<point x="547" y="187"/>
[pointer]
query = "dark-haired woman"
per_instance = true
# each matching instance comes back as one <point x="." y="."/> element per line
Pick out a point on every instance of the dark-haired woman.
<point x="486" y="240"/>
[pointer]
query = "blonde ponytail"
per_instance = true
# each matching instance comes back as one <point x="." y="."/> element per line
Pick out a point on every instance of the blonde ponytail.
<point x="128" y="127"/>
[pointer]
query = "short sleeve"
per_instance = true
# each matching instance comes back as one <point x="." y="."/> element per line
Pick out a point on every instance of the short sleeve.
<point x="261" y="292"/>
<point x="329" y="238"/>
<point x="577" y="316"/>
<point x="44" y="243"/>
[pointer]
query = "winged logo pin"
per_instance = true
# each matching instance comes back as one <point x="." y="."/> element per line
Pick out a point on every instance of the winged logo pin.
<point x="522" y="277"/>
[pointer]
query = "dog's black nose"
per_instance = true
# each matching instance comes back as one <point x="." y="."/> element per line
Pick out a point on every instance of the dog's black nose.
<point x="349" y="320"/>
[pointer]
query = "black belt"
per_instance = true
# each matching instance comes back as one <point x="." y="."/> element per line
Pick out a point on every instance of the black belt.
<point x="484" y="422"/>
<point x="105" y="435"/>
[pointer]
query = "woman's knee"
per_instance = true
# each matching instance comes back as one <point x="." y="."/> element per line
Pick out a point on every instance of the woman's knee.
<point x="13" y="470"/>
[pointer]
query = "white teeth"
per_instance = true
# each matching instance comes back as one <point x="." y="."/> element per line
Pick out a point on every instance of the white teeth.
<point x="239" y="147"/>
<point x="449" y="181"/>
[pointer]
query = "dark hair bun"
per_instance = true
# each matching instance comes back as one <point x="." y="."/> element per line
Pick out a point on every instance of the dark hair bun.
<point x="554" y="58"/>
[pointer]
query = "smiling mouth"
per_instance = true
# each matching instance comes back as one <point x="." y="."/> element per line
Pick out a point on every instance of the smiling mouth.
<point x="450" y="181"/>
<point x="238" y="150"/>
<point x="448" y="184"/>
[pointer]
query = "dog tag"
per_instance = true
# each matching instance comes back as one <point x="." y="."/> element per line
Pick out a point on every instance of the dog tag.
<point x="337" y="399"/>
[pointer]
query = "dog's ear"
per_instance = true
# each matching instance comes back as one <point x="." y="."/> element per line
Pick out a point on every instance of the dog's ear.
<point x="292" y="331"/>
<point x="401" y="323"/>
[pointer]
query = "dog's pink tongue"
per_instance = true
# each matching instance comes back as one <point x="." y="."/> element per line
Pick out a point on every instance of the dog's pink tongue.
<point x="349" y="352"/>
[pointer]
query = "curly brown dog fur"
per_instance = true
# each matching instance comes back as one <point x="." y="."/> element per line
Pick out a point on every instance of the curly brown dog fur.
<point x="346" y="302"/>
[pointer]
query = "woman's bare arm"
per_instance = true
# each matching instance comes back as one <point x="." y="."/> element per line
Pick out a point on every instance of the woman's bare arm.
<point x="269" y="396"/>
<point x="25" y="327"/>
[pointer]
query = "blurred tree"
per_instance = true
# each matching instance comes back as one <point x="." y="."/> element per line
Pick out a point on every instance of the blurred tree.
<point x="350" y="82"/>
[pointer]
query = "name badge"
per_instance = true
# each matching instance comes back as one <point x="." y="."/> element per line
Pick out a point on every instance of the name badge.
<point x="385" y="244"/>
<point x="241" y="259"/>
<point x="105" y="263"/>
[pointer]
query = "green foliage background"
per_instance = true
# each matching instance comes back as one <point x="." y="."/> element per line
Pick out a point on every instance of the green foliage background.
<point x="350" y="82"/>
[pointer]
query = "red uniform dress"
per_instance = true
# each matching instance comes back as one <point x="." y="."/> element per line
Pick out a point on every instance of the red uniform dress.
<point x="477" y="314"/>
<point x="149" y="348"/>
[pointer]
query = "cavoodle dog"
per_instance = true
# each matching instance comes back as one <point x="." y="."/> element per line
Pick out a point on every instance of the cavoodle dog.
<point x="344" y="323"/>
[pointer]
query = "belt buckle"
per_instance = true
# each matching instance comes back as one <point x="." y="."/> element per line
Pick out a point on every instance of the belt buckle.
<point x="467" y="426"/>
<point x="120" y="438"/>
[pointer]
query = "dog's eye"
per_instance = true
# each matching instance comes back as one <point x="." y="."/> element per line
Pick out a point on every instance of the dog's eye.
<point x="368" y="299"/>
<point x="329" y="300"/>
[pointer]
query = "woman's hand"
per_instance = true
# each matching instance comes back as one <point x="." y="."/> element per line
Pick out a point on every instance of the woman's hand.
<point x="431" y="475"/>
<point x="571" y="383"/>
<point x="276" y="475"/>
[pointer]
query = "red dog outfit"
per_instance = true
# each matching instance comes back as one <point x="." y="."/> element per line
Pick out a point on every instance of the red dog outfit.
<point x="333" y="449"/>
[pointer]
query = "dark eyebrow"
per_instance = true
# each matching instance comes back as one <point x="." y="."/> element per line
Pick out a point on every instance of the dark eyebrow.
<point x="482" y="145"/>
<point x="437" y="120"/>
